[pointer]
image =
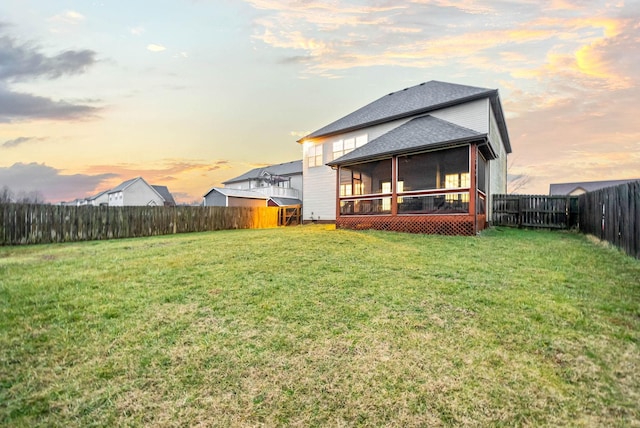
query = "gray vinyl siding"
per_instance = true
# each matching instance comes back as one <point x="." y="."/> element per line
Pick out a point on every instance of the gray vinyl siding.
<point x="473" y="115"/>
<point x="495" y="139"/>
<point x="296" y="183"/>
<point x="498" y="166"/>
<point x="319" y="190"/>
<point x="215" y="199"/>
<point x="137" y="193"/>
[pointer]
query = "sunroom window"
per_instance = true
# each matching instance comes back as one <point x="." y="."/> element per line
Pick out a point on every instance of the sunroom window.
<point x="366" y="179"/>
<point x="435" y="170"/>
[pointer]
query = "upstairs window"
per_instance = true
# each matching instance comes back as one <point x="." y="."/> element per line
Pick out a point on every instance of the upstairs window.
<point x="342" y="147"/>
<point x="314" y="156"/>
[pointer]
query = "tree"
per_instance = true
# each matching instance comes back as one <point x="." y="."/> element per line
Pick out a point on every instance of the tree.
<point x="516" y="182"/>
<point x="6" y="195"/>
<point x="24" y="197"/>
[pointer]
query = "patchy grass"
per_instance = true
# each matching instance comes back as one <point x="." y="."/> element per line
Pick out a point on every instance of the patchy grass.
<point x="310" y="326"/>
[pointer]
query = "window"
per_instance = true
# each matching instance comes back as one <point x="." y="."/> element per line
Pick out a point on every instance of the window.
<point x="435" y="170"/>
<point x="482" y="174"/>
<point x="342" y="147"/>
<point x="314" y="155"/>
<point x="366" y="178"/>
<point x="455" y="181"/>
<point x="350" y="182"/>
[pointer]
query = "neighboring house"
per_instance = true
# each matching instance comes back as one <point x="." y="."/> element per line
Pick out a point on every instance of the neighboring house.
<point x="136" y="192"/>
<point x="97" y="200"/>
<point x="223" y="197"/>
<point x="276" y="185"/>
<point x="574" y="189"/>
<point x="166" y="195"/>
<point x="424" y="159"/>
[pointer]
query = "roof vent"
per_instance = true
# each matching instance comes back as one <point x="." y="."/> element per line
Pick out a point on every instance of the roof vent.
<point x="422" y="83"/>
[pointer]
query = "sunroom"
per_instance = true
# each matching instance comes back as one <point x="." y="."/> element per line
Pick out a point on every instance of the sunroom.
<point x="426" y="176"/>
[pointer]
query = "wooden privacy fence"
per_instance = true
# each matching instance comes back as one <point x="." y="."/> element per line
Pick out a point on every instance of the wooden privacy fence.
<point x="36" y="224"/>
<point x="613" y="214"/>
<point x="538" y="211"/>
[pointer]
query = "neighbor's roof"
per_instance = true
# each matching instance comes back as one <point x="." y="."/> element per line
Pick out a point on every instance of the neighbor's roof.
<point x="415" y="100"/>
<point x="419" y="133"/>
<point x="164" y="192"/>
<point x="237" y="193"/>
<point x="287" y="168"/>
<point x="587" y="186"/>
<point x="281" y="202"/>
<point x="120" y="187"/>
<point x="97" y="195"/>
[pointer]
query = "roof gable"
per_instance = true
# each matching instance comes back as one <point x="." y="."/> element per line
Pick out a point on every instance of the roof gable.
<point x="164" y="192"/>
<point x="418" y="99"/>
<point x="120" y="187"/>
<point x="419" y="133"/>
<point x="237" y="193"/>
<point x="287" y="168"/>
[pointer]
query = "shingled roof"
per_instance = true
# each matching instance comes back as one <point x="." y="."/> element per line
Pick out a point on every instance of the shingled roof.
<point x="237" y="193"/>
<point x="165" y="193"/>
<point x="287" y="168"/>
<point x="419" y="99"/>
<point x="419" y="133"/>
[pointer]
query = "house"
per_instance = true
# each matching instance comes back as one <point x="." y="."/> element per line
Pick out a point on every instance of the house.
<point x="275" y="185"/>
<point x="574" y="189"/>
<point x="223" y="197"/>
<point x="166" y="195"/>
<point x="423" y="159"/>
<point x="98" y="199"/>
<point x="137" y="192"/>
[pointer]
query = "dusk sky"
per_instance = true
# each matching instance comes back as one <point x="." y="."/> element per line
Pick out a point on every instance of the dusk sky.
<point x="189" y="93"/>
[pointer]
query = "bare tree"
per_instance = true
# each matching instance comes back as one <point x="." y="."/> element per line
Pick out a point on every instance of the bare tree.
<point x="6" y="195"/>
<point x="32" y="197"/>
<point x="516" y="182"/>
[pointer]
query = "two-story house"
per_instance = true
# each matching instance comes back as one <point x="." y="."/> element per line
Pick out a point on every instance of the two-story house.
<point x="423" y="159"/>
<point x="273" y="185"/>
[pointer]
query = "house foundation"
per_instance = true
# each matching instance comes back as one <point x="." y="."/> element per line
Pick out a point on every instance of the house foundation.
<point x="428" y="224"/>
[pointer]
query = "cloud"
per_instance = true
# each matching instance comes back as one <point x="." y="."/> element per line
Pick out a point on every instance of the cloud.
<point x="18" y="141"/>
<point x="326" y="38"/>
<point x="15" y="106"/>
<point x="52" y="183"/>
<point x="155" y="48"/>
<point x="67" y="17"/>
<point x="299" y="134"/>
<point x="21" y="61"/>
<point x="24" y="61"/>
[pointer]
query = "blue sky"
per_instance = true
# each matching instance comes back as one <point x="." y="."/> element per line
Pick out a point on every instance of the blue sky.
<point x="190" y="93"/>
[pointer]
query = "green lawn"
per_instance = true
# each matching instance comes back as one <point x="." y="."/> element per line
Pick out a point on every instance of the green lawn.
<point x="310" y="326"/>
